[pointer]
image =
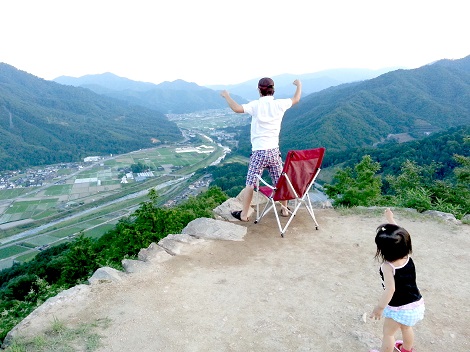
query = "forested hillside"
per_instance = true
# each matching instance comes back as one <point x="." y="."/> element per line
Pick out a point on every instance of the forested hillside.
<point x="438" y="148"/>
<point x="43" y="122"/>
<point x="420" y="101"/>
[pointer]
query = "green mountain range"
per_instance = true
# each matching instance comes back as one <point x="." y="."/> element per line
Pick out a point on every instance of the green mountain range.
<point x="177" y="97"/>
<point x="43" y="122"/>
<point x="411" y="102"/>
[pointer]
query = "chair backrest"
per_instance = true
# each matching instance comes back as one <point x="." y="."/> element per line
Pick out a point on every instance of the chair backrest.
<point x="300" y="167"/>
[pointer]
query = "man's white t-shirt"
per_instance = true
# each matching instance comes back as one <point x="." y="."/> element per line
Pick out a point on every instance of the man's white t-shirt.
<point x="267" y="114"/>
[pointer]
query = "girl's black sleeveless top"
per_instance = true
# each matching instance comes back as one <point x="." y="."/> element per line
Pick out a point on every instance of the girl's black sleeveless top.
<point x="406" y="290"/>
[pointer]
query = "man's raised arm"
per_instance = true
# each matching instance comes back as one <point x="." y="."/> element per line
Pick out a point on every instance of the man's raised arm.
<point x="232" y="103"/>
<point x="298" y="92"/>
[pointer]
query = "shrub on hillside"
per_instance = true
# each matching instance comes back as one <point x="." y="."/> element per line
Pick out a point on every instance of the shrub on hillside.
<point x="415" y="187"/>
<point x="358" y="186"/>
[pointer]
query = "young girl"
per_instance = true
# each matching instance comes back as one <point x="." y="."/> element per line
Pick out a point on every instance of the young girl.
<point x="401" y="303"/>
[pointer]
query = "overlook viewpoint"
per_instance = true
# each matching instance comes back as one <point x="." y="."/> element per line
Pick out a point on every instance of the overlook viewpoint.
<point x="312" y="290"/>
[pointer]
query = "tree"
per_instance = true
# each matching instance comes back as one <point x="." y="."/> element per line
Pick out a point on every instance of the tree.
<point x="139" y="167"/>
<point x="358" y="186"/>
<point x="412" y="186"/>
<point x="462" y="172"/>
<point x="79" y="261"/>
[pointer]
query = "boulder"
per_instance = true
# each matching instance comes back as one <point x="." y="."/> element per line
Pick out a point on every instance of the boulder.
<point x="215" y="230"/>
<point x="444" y="216"/>
<point x="132" y="266"/>
<point x="224" y="210"/>
<point x="75" y="295"/>
<point x="175" y="244"/>
<point x="154" y="253"/>
<point x="105" y="274"/>
<point x="466" y="219"/>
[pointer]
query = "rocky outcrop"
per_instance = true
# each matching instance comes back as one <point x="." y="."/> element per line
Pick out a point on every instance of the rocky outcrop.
<point x="441" y="215"/>
<point x="224" y="210"/>
<point x="215" y="230"/>
<point x="105" y="274"/>
<point x="77" y="294"/>
<point x="466" y="219"/>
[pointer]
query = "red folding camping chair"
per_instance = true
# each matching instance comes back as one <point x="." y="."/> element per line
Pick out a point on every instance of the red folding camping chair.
<point x="300" y="170"/>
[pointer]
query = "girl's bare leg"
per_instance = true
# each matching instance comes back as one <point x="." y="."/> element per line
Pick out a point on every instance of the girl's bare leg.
<point x="389" y="330"/>
<point x="408" y="337"/>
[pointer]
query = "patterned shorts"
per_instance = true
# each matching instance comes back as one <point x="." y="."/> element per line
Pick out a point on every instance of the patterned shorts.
<point x="407" y="315"/>
<point x="260" y="159"/>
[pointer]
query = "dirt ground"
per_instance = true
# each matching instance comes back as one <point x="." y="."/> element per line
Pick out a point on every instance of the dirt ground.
<point x="309" y="291"/>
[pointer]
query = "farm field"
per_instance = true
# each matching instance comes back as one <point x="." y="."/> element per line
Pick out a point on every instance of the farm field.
<point x="91" y="197"/>
<point x="94" y="182"/>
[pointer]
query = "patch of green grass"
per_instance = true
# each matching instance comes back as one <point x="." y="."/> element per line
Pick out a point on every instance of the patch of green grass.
<point x="58" y="190"/>
<point x="44" y="214"/>
<point x="41" y="240"/>
<point x="110" y="163"/>
<point x="93" y="222"/>
<point x="110" y="182"/>
<point x="99" y="231"/>
<point x="61" y="338"/>
<point x="13" y="193"/>
<point x="64" y="232"/>
<point x="11" y="250"/>
<point x="6" y="263"/>
<point x="87" y="173"/>
<point x="26" y="257"/>
<point x="29" y="207"/>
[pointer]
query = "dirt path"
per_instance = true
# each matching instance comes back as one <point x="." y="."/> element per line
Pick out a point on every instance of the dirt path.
<point x="305" y="292"/>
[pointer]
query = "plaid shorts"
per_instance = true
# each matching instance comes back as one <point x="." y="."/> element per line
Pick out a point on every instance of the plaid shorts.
<point x="407" y="315"/>
<point x="260" y="159"/>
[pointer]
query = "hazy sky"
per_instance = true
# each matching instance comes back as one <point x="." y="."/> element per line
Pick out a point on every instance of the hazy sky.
<point x="225" y="41"/>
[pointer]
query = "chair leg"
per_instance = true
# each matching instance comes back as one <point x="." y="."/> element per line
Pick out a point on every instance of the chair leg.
<point x="308" y="205"/>
<point x="269" y="205"/>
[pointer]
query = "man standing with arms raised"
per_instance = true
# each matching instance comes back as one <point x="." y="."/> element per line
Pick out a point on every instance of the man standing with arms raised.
<point x="267" y="114"/>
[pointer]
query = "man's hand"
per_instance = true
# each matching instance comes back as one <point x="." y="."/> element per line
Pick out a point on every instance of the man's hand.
<point x="232" y="103"/>
<point x="298" y="92"/>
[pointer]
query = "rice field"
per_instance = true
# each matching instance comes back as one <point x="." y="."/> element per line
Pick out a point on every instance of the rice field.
<point x="12" y="250"/>
<point x="57" y="190"/>
<point x="100" y="180"/>
<point x="13" y="193"/>
<point x="87" y="184"/>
